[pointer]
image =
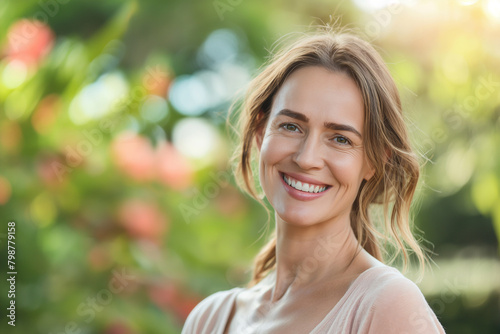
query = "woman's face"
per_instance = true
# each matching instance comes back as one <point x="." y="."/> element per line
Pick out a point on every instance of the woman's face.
<point x="312" y="160"/>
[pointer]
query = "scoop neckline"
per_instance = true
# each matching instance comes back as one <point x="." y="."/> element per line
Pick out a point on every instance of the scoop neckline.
<point x="346" y="295"/>
<point x="351" y="287"/>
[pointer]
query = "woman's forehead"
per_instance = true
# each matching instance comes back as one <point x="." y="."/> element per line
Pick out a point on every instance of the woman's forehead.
<point x="321" y="95"/>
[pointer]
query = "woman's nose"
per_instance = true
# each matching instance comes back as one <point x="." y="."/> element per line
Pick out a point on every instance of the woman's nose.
<point x="308" y="153"/>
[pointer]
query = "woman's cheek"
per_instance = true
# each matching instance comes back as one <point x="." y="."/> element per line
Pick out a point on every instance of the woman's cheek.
<point x="276" y="147"/>
<point x="345" y="166"/>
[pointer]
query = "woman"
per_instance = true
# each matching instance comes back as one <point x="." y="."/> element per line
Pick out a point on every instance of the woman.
<point x="326" y="119"/>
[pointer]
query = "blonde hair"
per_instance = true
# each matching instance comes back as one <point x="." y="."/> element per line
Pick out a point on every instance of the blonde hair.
<point x="387" y="142"/>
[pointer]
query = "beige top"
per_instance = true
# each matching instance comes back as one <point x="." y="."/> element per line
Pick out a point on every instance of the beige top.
<point x="379" y="300"/>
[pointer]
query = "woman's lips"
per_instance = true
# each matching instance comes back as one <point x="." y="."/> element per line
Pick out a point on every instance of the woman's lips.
<point x="301" y="194"/>
<point x="306" y="179"/>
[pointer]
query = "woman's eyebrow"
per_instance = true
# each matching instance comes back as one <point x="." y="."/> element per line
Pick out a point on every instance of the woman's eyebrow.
<point x="328" y="125"/>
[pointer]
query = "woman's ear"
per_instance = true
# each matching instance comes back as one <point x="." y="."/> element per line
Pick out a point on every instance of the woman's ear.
<point x="371" y="171"/>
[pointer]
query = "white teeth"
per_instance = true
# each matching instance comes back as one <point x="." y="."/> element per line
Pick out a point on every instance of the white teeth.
<point x="306" y="187"/>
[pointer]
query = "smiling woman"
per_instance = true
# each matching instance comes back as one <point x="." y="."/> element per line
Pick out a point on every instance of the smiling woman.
<point x="326" y="121"/>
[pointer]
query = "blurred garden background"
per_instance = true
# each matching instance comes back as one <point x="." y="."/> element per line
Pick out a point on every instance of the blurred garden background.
<point x="114" y="152"/>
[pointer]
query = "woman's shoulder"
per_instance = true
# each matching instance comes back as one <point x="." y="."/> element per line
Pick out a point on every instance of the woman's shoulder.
<point x="385" y="283"/>
<point x="386" y="287"/>
<point x="209" y="313"/>
<point x="391" y="300"/>
<point x="384" y="278"/>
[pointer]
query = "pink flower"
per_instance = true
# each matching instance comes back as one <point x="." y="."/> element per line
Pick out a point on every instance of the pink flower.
<point x="52" y="170"/>
<point x="135" y="156"/>
<point x="143" y="220"/>
<point x="29" y="41"/>
<point x="170" y="297"/>
<point x="173" y="169"/>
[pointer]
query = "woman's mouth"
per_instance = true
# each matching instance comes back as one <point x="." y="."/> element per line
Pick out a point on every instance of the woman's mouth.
<point x="303" y="186"/>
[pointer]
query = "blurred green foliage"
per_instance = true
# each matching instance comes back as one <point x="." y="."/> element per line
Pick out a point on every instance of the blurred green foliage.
<point x="113" y="152"/>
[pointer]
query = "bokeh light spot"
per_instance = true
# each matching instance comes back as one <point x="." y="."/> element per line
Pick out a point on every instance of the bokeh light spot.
<point x="467" y="2"/>
<point x="43" y="210"/>
<point x="29" y="41"/>
<point x="5" y="190"/>
<point x="10" y="136"/>
<point x="99" y="98"/>
<point x="173" y="168"/>
<point x="45" y="114"/>
<point x="455" y="68"/>
<point x="14" y="74"/>
<point x="492" y="8"/>
<point x="16" y="105"/>
<point x="460" y="166"/>
<point x="196" y="138"/>
<point x="220" y="46"/>
<point x="189" y="95"/>
<point x="374" y="5"/>
<point x="134" y="155"/>
<point x="154" y="109"/>
<point x="143" y="219"/>
<point x="485" y="193"/>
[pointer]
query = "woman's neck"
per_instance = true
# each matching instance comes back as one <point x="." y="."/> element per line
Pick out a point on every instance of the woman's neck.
<point x="310" y="255"/>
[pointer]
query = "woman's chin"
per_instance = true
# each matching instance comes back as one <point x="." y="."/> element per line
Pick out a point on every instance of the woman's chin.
<point x="300" y="218"/>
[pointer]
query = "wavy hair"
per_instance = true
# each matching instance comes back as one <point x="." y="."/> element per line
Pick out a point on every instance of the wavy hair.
<point x="387" y="143"/>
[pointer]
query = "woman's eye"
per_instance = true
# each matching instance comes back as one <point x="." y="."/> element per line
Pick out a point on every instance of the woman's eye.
<point x="290" y="127"/>
<point x="342" y="140"/>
